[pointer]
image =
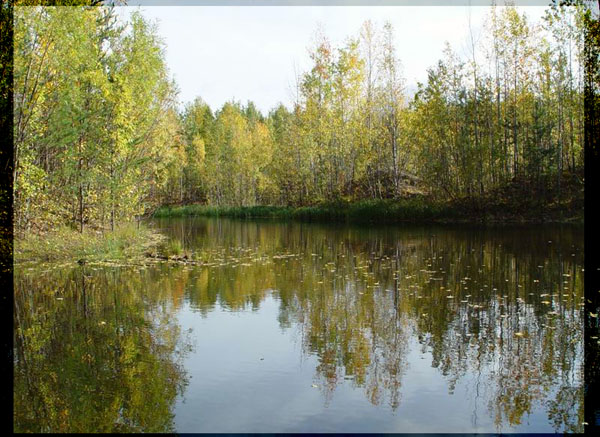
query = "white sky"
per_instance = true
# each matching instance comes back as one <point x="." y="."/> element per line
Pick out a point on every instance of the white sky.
<point x="222" y="53"/>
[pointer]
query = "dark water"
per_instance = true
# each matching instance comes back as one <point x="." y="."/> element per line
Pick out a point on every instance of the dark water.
<point x="291" y="327"/>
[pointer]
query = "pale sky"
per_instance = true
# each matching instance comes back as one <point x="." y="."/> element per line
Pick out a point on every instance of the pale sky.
<point x="246" y="53"/>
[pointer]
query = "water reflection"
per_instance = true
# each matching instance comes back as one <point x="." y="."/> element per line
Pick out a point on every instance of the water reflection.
<point x="95" y="350"/>
<point x="502" y="305"/>
<point x="497" y="311"/>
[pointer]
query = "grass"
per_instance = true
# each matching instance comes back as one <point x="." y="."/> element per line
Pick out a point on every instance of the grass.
<point x="386" y="211"/>
<point x="126" y="242"/>
<point x="515" y="202"/>
<point x="173" y="247"/>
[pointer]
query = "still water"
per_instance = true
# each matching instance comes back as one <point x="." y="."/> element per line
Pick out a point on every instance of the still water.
<point x="299" y="327"/>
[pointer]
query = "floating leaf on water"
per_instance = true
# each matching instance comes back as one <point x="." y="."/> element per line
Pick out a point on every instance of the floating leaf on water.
<point x="519" y="334"/>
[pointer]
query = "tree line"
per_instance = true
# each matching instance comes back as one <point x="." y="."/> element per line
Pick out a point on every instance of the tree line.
<point x="94" y="113"/>
<point x="99" y="138"/>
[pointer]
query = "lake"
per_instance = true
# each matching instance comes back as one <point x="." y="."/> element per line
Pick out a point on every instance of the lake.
<point x="304" y="327"/>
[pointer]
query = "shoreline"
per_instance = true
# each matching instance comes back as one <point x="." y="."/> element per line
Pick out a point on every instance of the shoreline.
<point x="413" y="211"/>
<point x="66" y="244"/>
<point x="130" y="242"/>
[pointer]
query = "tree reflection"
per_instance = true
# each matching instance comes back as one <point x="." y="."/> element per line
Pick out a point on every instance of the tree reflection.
<point x="94" y="351"/>
<point x="502" y="305"/>
<point x="501" y="310"/>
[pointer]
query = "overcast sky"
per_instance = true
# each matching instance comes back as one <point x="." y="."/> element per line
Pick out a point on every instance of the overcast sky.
<point x="222" y="53"/>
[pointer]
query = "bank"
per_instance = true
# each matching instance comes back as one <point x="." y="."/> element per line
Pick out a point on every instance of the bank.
<point x="517" y="201"/>
<point x="126" y="242"/>
<point x="411" y="210"/>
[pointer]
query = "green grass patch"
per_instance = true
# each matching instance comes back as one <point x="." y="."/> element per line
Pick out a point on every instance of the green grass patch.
<point x="172" y="247"/>
<point x="126" y="242"/>
<point x="418" y="209"/>
<point x="415" y="209"/>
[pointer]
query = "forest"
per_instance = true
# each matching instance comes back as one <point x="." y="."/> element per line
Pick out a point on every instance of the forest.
<point x="139" y="314"/>
<point x="100" y="138"/>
